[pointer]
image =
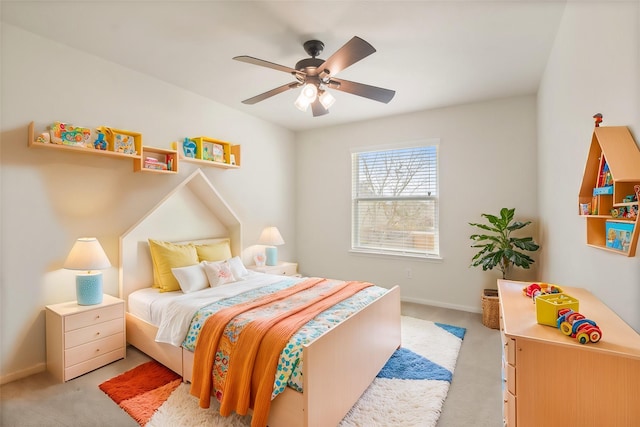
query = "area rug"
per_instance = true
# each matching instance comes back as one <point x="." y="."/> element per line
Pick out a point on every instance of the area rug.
<point x="142" y="390"/>
<point x="409" y="391"/>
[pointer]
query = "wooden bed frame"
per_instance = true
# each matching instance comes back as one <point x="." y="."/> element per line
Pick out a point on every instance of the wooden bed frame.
<point x="338" y="366"/>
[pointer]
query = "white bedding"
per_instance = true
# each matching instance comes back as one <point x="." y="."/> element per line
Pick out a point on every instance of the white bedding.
<point x="172" y="312"/>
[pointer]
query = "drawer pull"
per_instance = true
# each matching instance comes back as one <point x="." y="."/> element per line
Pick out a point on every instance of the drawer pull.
<point x="97" y="333"/>
<point x="98" y="316"/>
<point x="97" y="350"/>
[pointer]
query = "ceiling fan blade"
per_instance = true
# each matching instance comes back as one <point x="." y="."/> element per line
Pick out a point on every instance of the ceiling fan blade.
<point x="361" y="89"/>
<point x="270" y="93"/>
<point x="318" y="109"/>
<point x="263" y="63"/>
<point x="353" y="51"/>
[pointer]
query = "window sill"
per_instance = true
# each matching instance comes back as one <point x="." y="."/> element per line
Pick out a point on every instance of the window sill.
<point x="375" y="254"/>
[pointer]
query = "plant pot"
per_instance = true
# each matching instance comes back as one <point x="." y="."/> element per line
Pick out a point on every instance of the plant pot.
<point x="491" y="309"/>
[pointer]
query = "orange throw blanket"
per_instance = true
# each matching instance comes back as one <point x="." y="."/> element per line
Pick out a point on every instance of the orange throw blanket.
<point x="252" y="368"/>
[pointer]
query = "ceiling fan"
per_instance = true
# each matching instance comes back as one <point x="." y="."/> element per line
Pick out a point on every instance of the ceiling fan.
<point x="316" y="75"/>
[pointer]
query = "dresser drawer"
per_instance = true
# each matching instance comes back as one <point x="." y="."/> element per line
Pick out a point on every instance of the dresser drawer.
<point x="511" y="379"/>
<point x="85" y="352"/>
<point x="92" y="317"/>
<point x="92" y="333"/>
<point x="510" y="419"/>
<point x="511" y="351"/>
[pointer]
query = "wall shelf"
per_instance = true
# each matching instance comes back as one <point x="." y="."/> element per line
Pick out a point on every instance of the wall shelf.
<point x="233" y="150"/>
<point x="614" y="147"/>
<point x="161" y="156"/>
<point x="230" y="156"/>
<point x="81" y="150"/>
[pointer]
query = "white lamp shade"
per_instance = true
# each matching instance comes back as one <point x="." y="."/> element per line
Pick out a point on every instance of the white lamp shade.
<point x="87" y="254"/>
<point x="271" y="236"/>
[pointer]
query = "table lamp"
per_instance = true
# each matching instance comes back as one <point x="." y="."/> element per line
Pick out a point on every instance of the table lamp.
<point x="271" y="237"/>
<point x="87" y="254"/>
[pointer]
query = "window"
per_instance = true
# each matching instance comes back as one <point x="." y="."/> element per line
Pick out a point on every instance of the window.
<point x="395" y="200"/>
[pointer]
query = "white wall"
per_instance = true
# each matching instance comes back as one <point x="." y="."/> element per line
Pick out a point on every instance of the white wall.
<point x="487" y="161"/>
<point x="594" y="68"/>
<point x="49" y="199"/>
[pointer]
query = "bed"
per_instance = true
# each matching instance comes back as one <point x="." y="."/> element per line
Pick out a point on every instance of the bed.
<point x="338" y="365"/>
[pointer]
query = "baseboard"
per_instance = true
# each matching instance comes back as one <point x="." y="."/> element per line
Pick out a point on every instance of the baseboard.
<point x="40" y="367"/>
<point x="442" y="304"/>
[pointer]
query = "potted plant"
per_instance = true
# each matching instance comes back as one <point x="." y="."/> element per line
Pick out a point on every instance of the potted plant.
<point x="499" y="249"/>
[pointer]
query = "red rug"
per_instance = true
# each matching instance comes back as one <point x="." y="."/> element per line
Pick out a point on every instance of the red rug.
<point x="142" y="390"/>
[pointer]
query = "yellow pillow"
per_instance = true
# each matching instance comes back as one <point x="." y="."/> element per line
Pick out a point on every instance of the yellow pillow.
<point x="166" y="256"/>
<point x="218" y="251"/>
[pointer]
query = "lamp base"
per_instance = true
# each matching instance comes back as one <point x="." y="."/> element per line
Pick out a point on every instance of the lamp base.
<point x="89" y="288"/>
<point x="272" y="255"/>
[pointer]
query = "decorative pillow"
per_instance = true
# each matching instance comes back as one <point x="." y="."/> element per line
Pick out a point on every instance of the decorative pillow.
<point x="218" y="273"/>
<point x="237" y="267"/>
<point x="191" y="278"/>
<point x="218" y="251"/>
<point x="165" y="256"/>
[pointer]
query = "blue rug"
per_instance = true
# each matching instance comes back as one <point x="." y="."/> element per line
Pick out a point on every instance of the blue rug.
<point x="411" y="388"/>
<point x="405" y="364"/>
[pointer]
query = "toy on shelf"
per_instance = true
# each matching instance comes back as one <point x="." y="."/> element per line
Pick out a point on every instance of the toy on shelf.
<point x="536" y="289"/>
<point x="598" y="119"/>
<point x="100" y="143"/>
<point x="68" y="134"/>
<point x="625" y="212"/>
<point x="577" y="326"/>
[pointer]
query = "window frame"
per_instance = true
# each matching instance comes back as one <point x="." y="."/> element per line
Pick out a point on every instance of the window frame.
<point x="434" y="254"/>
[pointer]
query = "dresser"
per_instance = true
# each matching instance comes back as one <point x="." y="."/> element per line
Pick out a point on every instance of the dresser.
<point x="282" y="269"/>
<point x="83" y="338"/>
<point x="552" y="380"/>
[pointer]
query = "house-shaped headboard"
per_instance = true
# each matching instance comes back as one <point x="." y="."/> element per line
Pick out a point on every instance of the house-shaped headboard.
<point x="194" y="210"/>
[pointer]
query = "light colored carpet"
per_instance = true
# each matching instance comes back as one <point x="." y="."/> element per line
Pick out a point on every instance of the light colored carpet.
<point x="392" y="400"/>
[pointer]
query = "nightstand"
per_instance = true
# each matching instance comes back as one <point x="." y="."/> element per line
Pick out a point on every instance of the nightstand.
<point x="282" y="269"/>
<point x="81" y="338"/>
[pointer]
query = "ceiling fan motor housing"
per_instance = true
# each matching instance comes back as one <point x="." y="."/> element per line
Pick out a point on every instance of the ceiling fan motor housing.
<point x="313" y="47"/>
<point x="309" y="65"/>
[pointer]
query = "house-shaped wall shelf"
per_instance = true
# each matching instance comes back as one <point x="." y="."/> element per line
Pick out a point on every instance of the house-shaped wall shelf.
<point x="194" y="210"/>
<point x="611" y="175"/>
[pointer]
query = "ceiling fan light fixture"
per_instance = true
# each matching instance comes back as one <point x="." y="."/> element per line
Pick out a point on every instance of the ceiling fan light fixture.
<point x="302" y="103"/>
<point x="326" y="99"/>
<point x="310" y="91"/>
<point x="306" y="97"/>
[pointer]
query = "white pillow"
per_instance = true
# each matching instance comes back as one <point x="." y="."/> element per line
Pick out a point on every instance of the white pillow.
<point x="191" y="278"/>
<point x="237" y="267"/>
<point x="218" y="273"/>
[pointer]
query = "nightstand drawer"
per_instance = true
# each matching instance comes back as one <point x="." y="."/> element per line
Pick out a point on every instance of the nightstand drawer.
<point x="91" y="317"/>
<point x="95" y="363"/>
<point x="92" y="333"/>
<point x="88" y="351"/>
<point x="284" y="270"/>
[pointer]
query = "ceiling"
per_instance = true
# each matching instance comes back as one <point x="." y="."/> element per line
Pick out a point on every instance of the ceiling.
<point x="432" y="53"/>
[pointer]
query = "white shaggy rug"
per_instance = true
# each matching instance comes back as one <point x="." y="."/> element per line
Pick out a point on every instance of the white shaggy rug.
<point x="391" y="400"/>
